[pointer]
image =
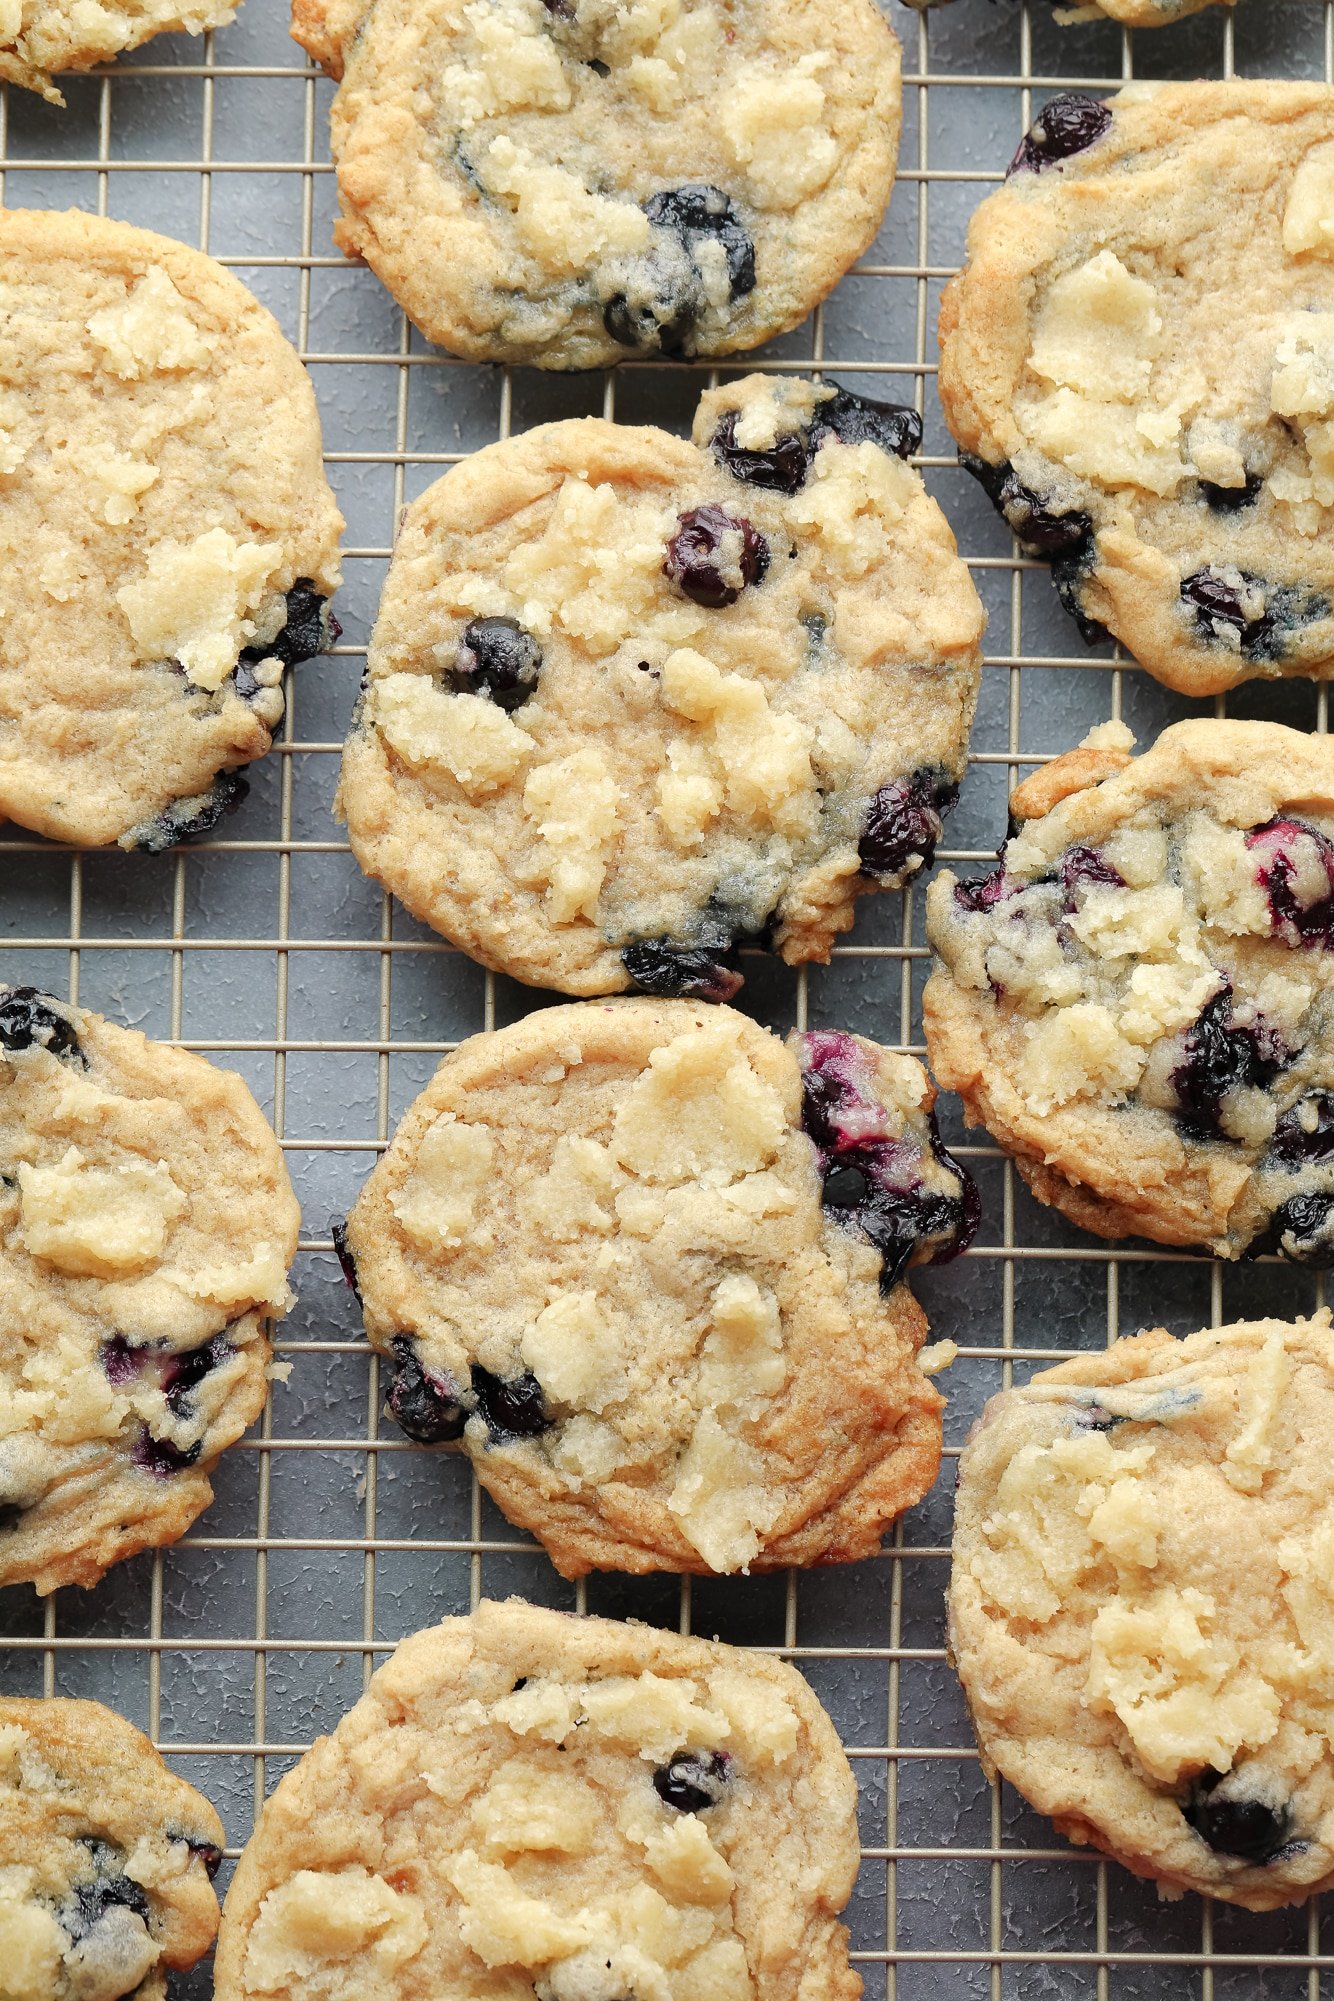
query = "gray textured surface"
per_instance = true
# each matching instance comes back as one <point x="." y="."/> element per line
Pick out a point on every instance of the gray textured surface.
<point x="266" y="947"/>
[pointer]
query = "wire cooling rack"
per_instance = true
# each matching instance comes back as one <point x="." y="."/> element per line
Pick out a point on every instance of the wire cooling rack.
<point x="265" y="948"/>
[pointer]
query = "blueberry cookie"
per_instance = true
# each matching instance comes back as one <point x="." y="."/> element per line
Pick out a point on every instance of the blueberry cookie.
<point x="39" y="37"/>
<point x="528" y="1803"/>
<point x="645" y="1260"/>
<point x="1137" y="362"/>
<point x="1140" y="1604"/>
<point x="633" y="700"/>
<point x="146" y="1228"/>
<point x="107" y="1859"/>
<point x="1137" y="1001"/>
<point x="567" y="182"/>
<point x="167" y="535"/>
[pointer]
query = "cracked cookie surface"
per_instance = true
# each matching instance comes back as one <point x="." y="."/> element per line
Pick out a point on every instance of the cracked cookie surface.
<point x="633" y="700"/>
<point x="526" y="1802"/>
<point x="1137" y="1001"/>
<point x="167" y="535"/>
<point x="646" y="1260"/>
<point x="1140" y="1607"/>
<point x="42" y="37"/>
<point x="106" y="1858"/>
<point x="1137" y="362"/>
<point x="568" y="182"/>
<point x="146" y="1227"/>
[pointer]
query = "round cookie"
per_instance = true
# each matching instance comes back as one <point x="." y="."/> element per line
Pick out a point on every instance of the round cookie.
<point x="39" y="37"/>
<point x="1138" y="1002"/>
<point x="167" y="535"/>
<point x="1140" y="1608"/>
<point x="645" y="1259"/>
<point x="528" y="1803"/>
<point x="1137" y="362"/>
<point x="568" y="182"/>
<point x="106" y="1858"/>
<point x="632" y="700"/>
<point x="146" y="1228"/>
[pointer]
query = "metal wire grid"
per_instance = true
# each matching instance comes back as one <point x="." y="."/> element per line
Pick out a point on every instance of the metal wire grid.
<point x="328" y="1541"/>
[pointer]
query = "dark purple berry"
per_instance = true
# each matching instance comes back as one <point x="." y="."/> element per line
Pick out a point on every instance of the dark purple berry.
<point x="1252" y="1830"/>
<point x="903" y="824"/>
<point x="1085" y="868"/>
<point x="1068" y="124"/>
<point x="845" y="1186"/>
<point x="1304" y="1135"/>
<point x="692" y="1781"/>
<point x="122" y="1361"/>
<point x="310" y="629"/>
<point x="671" y="299"/>
<point x="1233" y="499"/>
<point x="1219" y="608"/>
<point x="512" y="1406"/>
<point x="33" y="1020"/>
<point x="207" y="1853"/>
<point x="781" y="468"/>
<point x="1279" y="847"/>
<point x="182" y="1372"/>
<point x="185" y="818"/>
<point x="110" y="1889"/>
<point x="426" y="1407"/>
<point x="499" y="658"/>
<point x="161" y="1458"/>
<point x="680" y="972"/>
<point x="338" y="1231"/>
<point x="1026" y="515"/>
<point x="1302" y="1231"/>
<point x="714" y="556"/>
<point x="983" y="893"/>
<point x="1222" y="1057"/>
<point x="860" y="420"/>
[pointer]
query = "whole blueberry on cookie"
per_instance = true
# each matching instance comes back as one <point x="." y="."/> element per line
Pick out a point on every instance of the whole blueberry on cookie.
<point x="1136" y="1001"/>
<point x="146" y="1228"/>
<point x="43" y="39"/>
<point x="634" y="702"/>
<point x="568" y="1808"/>
<point x="1151" y="410"/>
<point x="1139" y="1601"/>
<point x="648" y="1260"/>
<point x="106" y="1858"/>
<point x="570" y="182"/>
<point x="168" y="539"/>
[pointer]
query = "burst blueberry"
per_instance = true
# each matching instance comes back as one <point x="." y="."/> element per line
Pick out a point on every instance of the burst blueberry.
<point x="1222" y="1056"/>
<point x="1232" y="1823"/>
<point x="861" y="420"/>
<point x="904" y="823"/>
<point x="680" y="972"/>
<point x="309" y="629"/>
<point x="714" y="556"/>
<point x="692" y="1781"/>
<point x="338" y="1231"/>
<point x="182" y="1371"/>
<point x="109" y="1889"/>
<point x="780" y="468"/>
<point x="1304" y="1135"/>
<point x="1086" y="868"/>
<point x="671" y="296"/>
<point x="497" y="657"/>
<point x="185" y="818"/>
<point x="512" y="1406"/>
<point x="161" y="1458"/>
<point x="1285" y="849"/>
<point x="1067" y="125"/>
<point x="33" y="1020"/>
<point x="425" y="1406"/>
<point x="1303" y="1230"/>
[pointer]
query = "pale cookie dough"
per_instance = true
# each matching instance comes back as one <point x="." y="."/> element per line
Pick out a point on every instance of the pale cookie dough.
<point x="167" y="535"/>
<point x="1141" y="1604"/>
<point x="631" y="700"/>
<point x="525" y="1803"/>
<point x="1130" y="13"/>
<point x="146" y="1228"/>
<point x="107" y="1859"/>
<point x="646" y="1259"/>
<point x="39" y="37"/>
<point x="1138" y="1002"/>
<point x="570" y="181"/>
<point x="1137" y="362"/>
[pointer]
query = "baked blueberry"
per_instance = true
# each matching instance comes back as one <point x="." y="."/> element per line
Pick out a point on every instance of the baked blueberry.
<point x="1036" y="525"/>
<point x="780" y="468"/>
<point x="1081" y="867"/>
<point x="109" y="1889"/>
<point x="670" y="296"/>
<point x="208" y="1853"/>
<point x="185" y="818"/>
<point x="693" y="1781"/>
<point x="1235" y="1823"/>
<point x="310" y="629"/>
<point x="33" y="1020"/>
<point x="1303" y="1230"/>
<point x="1289" y="853"/>
<point x="426" y="1407"/>
<point x="338" y="1231"/>
<point x="1304" y="1135"/>
<point x="1222" y="1056"/>
<point x="714" y="556"/>
<point x="1233" y="499"/>
<point x="699" y="213"/>
<point x="680" y="972"/>
<point x="512" y="1406"/>
<point x="1068" y="124"/>
<point x="184" y="1370"/>
<point x="161" y="1458"/>
<point x="903" y="824"/>
<point x="497" y="657"/>
<point x="861" y="420"/>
